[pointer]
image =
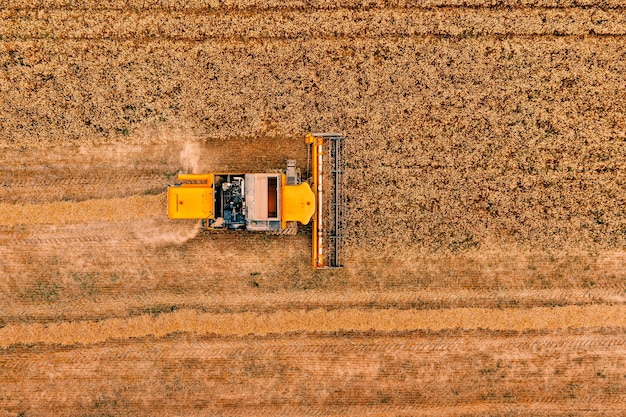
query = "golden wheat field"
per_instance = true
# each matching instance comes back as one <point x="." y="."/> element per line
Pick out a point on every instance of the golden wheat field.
<point x="485" y="248"/>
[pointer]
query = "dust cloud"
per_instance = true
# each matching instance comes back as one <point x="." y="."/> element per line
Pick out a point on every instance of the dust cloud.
<point x="190" y="157"/>
<point x="164" y="232"/>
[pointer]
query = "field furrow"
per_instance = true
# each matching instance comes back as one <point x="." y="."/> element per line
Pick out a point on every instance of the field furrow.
<point x="112" y="305"/>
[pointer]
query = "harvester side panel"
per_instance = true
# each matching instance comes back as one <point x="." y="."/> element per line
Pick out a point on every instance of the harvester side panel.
<point x="195" y="202"/>
<point x="191" y="201"/>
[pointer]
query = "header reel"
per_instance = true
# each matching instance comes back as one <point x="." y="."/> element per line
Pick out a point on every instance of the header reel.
<point x="328" y="185"/>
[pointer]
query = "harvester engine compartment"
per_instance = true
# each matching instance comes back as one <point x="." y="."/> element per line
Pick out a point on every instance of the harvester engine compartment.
<point x="255" y="202"/>
<point x="230" y="203"/>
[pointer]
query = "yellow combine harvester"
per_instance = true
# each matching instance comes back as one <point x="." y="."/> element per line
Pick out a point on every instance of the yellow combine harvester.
<point x="271" y="202"/>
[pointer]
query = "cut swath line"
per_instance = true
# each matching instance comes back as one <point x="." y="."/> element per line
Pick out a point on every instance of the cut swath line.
<point x="121" y="307"/>
<point x="320" y="320"/>
<point x="65" y="212"/>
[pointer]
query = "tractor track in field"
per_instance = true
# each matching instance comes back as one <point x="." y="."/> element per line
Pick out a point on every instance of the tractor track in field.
<point x="413" y="341"/>
<point x="113" y="238"/>
<point x="78" y="187"/>
<point x="111" y="306"/>
<point x="114" y="232"/>
<point x="372" y="372"/>
<point x="69" y="179"/>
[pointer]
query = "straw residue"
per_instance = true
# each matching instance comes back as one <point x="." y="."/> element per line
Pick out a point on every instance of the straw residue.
<point x="319" y="320"/>
<point x="164" y="231"/>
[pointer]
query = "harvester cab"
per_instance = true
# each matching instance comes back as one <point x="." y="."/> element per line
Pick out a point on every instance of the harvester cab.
<point x="273" y="202"/>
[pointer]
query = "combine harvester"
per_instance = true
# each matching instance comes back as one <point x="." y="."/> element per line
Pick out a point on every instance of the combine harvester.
<point x="273" y="202"/>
